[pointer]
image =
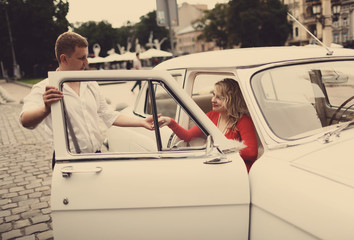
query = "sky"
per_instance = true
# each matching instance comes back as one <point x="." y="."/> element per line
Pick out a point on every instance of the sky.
<point x="118" y="12"/>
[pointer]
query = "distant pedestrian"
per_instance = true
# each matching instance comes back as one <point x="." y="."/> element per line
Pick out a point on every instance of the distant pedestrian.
<point x="137" y="66"/>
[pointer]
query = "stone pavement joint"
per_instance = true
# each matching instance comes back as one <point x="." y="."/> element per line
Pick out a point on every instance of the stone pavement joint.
<point x="25" y="178"/>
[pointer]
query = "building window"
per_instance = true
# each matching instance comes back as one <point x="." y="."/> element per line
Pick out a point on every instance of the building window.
<point x="345" y="37"/>
<point x="296" y="31"/>
<point x="336" y="38"/>
<point x="345" y="21"/>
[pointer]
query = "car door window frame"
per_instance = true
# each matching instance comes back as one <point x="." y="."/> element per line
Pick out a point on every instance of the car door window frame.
<point x="170" y="153"/>
<point x="155" y="117"/>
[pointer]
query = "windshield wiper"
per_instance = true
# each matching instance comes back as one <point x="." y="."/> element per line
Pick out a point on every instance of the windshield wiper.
<point x="328" y="137"/>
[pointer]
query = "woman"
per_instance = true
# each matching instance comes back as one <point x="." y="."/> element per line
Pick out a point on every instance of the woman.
<point x="229" y="113"/>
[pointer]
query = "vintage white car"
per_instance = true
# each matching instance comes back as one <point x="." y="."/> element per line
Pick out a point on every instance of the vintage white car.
<point x="150" y="185"/>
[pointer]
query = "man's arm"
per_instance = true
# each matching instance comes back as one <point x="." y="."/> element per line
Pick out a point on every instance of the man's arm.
<point x="131" y="121"/>
<point x="31" y="118"/>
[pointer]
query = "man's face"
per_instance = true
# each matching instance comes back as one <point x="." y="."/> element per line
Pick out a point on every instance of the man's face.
<point x="77" y="60"/>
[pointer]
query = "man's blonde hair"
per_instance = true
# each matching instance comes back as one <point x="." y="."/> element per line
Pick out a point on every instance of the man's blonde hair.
<point x="66" y="43"/>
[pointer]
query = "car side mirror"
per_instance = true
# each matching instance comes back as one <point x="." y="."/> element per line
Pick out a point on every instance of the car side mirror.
<point x="218" y="158"/>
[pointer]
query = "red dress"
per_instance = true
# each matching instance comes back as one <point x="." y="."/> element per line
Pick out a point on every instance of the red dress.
<point x="245" y="132"/>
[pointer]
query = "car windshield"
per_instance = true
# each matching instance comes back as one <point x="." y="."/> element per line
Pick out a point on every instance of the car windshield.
<point x="296" y="100"/>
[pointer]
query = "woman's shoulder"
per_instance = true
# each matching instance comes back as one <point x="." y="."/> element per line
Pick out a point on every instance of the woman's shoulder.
<point x="245" y="119"/>
<point x="246" y="116"/>
<point x="212" y="114"/>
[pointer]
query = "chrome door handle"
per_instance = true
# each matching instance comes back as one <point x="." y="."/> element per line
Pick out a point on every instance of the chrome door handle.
<point x="67" y="171"/>
<point x="217" y="160"/>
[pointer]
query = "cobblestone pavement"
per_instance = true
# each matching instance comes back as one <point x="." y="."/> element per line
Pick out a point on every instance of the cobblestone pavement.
<point x="25" y="179"/>
<point x="25" y="167"/>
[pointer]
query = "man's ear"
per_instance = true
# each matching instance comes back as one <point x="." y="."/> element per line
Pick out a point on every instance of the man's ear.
<point x="63" y="59"/>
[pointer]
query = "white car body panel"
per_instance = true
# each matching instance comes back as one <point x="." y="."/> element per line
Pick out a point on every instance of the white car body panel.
<point x="150" y="197"/>
<point x="152" y="191"/>
<point x="301" y="187"/>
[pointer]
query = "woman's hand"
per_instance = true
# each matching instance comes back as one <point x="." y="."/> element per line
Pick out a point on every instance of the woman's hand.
<point x="164" y="121"/>
<point x="148" y="122"/>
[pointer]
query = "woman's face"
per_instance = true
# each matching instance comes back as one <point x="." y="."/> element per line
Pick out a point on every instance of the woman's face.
<point x="218" y="101"/>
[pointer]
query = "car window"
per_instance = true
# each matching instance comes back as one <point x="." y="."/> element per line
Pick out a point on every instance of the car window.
<point x="162" y="96"/>
<point x="122" y="139"/>
<point x="166" y="103"/>
<point x="299" y="99"/>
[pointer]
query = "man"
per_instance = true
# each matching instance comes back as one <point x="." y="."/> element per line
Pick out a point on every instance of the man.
<point x="86" y="103"/>
<point x="137" y="66"/>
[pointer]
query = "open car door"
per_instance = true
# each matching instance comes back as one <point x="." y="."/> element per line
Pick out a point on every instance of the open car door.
<point x="152" y="192"/>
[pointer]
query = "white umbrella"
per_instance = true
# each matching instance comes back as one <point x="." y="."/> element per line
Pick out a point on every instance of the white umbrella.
<point x="115" y="57"/>
<point x="152" y="52"/>
<point x="127" y="56"/>
<point x="96" y="60"/>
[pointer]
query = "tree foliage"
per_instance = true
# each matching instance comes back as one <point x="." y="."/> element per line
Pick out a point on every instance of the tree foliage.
<point x="35" y="25"/>
<point x="147" y="25"/>
<point x="98" y="32"/>
<point x="249" y="23"/>
<point x="214" y="25"/>
<point x="108" y="37"/>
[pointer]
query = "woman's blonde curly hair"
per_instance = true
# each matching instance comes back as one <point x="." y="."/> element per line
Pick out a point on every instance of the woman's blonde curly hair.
<point x="234" y="102"/>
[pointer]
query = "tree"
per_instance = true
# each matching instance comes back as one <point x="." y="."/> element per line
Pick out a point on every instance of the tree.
<point x="255" y="23"/>
<point x="99" y="32"/>
<point x="275" y="28"/>
<point x="214" y="26"/>
<point x="108" y="37"/>
<point x="34" y="35"/>
<point x="249" y="23"/>
<point x="147" y="25"/>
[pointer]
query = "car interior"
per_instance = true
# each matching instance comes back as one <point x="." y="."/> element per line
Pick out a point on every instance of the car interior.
<point x="301" y="103"/>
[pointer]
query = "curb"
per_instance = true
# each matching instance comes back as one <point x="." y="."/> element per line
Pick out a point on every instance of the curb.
<point x="5" y="97"/>
<point x="22" y="84"/>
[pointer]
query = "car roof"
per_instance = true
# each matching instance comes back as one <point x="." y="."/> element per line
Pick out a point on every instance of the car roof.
<point x="248" y="57"/>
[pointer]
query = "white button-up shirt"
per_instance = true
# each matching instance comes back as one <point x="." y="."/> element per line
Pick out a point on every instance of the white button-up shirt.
<point x="86" y="113"/>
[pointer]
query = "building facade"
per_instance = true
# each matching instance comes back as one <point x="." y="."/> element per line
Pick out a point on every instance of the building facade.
<point x="343" y="28"/>
<point x="186" y="36"/>
<point x="341" y="23"/>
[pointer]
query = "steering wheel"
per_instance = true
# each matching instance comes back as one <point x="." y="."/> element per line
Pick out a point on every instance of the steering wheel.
<point x="174" y="145"/>
<point x="170" y="140"/>
<point x="177" y="144"/>
<point x="340" y="108"/>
